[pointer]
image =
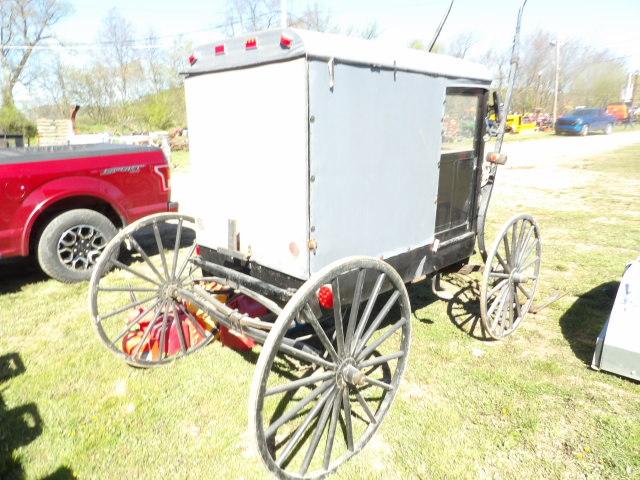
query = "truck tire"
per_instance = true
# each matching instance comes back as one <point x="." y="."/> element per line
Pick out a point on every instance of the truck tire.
<point x="71" y="243"/>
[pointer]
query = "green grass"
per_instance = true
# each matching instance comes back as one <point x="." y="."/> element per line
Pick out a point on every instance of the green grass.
<point x="527" y="407"/>
<point x="180" y="161"/>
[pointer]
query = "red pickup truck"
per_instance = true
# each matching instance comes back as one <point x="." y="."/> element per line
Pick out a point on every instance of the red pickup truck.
<point x="64" y="204"/>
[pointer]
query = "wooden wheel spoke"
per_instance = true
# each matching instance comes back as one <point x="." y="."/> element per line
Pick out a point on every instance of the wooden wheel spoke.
<point x="176" y="248"/>
<point x="507" y="251"/>
<point x="125" y="308"/>
<point x="192" y="319"/>
<point x="337" y="316"/>
<point x="144" y="256"/>
<point x="122" y="266"/>
<point x="505" y="267"/>
<point x="498" y="286"/>
<point x="135" y="321"/>
<point x="302" y="428"/>
<point x="495" y="303"/>
<point x="306" y="356"/>
<point x="289" y="414"/>
<point x="381" y="359"/>
<point x="145" y="336"/>
<point x="178" y="322"/>
<point x="346" y="406"/>
<point x="185" y="262"/>
<point x="163" y="334"/>
<point x="331" y="434"/>
<point x="296" y="384"/>
<point x="156" y="234"/>
<point x="383" y="338"/>
<point x="365" y="407"/>
<point x="355" y="306"/>
<point x="322" y="335"/>
<point x="524" y="243"/>
<point x="377" y="383"/>
<point x="528" y="264"/>
<point x="526" y="292"/>
<point x="126" y="289"/>
<point x="378" y="320"/>
<point x="317" y="434"/>
<point x="499" y="275"/>
<point x="368" y="308"/>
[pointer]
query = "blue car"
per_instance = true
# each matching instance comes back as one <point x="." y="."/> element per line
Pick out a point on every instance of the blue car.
<point x="582" y="121"/>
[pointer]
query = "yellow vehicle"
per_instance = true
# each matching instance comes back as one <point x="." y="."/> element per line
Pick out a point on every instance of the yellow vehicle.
<point x="517" y="123"/>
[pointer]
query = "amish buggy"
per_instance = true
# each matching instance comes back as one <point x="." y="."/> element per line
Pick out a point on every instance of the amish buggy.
<point x="332" y="171"/>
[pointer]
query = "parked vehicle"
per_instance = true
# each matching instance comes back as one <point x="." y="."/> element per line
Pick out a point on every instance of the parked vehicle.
<point x="582" y="121"/>
<point x="64" y="204"/>
<point x="618" y="110"/>
<point x="517" y="123"/>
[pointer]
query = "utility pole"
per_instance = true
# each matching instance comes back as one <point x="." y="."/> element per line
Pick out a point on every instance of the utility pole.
<point x="555" y="93"/>
<point x="283" y="14"/>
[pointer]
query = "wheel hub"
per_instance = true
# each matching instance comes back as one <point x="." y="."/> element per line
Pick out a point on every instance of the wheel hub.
<point x="349" y="374"/>
<point x="79" y="247"/>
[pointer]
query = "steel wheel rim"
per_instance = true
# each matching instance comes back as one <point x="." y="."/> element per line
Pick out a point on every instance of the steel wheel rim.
<point x="331" y="396"/>
<point x="511" y="274"/>
<point x="80" y="246"/>
<point x="159" y="280"/>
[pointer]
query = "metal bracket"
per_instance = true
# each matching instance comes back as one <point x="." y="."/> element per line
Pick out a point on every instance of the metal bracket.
<point x="332" y="79"/>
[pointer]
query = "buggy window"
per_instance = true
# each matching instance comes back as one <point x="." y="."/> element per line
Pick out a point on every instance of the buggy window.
<point x="460" y="122"/>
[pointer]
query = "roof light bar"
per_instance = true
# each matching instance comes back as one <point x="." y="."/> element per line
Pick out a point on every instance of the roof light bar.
<point x="219" y="49"/>
<point x="251" y="44"/>
<point x="192" y="59"/>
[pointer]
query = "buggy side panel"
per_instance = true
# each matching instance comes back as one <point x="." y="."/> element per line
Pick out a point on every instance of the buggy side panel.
<point x="374" y="150"/>
<point x="248" y="143"/>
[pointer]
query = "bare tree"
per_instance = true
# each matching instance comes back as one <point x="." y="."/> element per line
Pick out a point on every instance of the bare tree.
<point x="250" y="15"/>
<point x="117" y="40"/>
<point x="315" y="18"/>
<point x="23" y="25"/>
<point x="461" y="44"/>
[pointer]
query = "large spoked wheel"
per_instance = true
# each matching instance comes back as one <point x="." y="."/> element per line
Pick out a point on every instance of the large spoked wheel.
<point x="510" y="277"/>
<point x="135" y="292"/>
<point x="313" y="409"/>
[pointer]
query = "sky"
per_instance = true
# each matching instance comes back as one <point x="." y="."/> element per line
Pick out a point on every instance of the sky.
<point x="614" y="24"/>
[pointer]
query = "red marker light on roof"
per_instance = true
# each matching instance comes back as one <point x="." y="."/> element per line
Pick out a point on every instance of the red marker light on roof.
<point x="325" y="296"/>
<point x="219" y="49"/>
<point x="251" y="44"/>
<point x="286" y="42"/>
<point x="192" y="59"/>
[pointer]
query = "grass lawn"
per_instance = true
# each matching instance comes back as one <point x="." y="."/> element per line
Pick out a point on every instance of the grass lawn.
<point x="527" y="407"/>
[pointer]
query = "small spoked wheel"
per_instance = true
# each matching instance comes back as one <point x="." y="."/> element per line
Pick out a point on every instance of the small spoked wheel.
<point x="136" y="290"/>
<point x="510" y="277"/>
<point x="313" y="407"/>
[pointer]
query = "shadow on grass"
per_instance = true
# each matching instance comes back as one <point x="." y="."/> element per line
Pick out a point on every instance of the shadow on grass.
<point x="582" y="322"/>
<point x="19" y="427"/>
<point x="15" y="273"/>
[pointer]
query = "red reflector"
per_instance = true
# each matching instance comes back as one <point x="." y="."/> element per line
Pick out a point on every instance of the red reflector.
<point x="251" y="44"/>
<point x="219" y="49"/>
<point x="192" y="59"/>
<point x="286" y="42"/>
<point x="325" y="296"/>
<point x="198" y="253"/>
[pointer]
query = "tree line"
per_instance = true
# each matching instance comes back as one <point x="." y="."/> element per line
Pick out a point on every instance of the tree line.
<point x="128" y="80"/>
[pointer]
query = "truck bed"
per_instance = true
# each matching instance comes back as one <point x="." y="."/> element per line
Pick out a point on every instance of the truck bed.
<point x="12" y="156"/>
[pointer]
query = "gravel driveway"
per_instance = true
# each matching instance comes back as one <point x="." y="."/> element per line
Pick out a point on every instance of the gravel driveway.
<point x="547" y="155"/>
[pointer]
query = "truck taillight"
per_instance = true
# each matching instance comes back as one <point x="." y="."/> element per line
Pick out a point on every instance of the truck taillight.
<point x="164" y="172"/>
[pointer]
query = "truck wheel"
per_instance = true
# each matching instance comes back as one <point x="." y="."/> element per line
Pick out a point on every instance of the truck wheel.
<point x="71" y="243"/>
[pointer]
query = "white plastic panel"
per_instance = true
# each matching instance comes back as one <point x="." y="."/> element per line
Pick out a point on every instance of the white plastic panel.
<point x="375" y="147"/>
<point x="248" y="144"/>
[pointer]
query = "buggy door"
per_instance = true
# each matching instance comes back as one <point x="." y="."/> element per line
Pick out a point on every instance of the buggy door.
<point x="462" y="127"/>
